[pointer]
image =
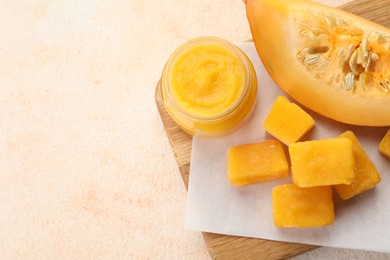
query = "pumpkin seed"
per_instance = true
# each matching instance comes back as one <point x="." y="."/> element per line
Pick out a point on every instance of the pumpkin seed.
<point x="368" y="63"/>
<point x="352" y="63"/>
<point x="303" y="53"/>
<point x="374" y="56"/>
<point x="341" y="22"/>
<point x="322" y="65"/>
<point x="364" y="45"/>
<point x="359" y="59"/>
<point x="309" y="34"/>
<point x="380" y="39"/>
<point x="350" y="50"/>
<point x="349" y="80"/>
<point x="329" y="22"/>
<point x="311" y="59"/>
<point x="383" y="86"/>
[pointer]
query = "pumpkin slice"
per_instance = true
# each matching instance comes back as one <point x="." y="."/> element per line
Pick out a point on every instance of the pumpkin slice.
<point x="332" y="62"/>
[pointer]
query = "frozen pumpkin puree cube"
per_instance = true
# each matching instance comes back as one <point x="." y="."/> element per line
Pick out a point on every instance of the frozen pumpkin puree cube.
<point x="287" y="121"/>
<point x="293" y="206"/>
<point x="256" y="162"/>
<point x="322" y="162"/>
<point x="366" y="174"/>
<point x="384" y="145"/>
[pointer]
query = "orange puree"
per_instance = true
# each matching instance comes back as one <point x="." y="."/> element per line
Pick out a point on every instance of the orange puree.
<point x="208" y="87"/>
<point x="207" y="79"/>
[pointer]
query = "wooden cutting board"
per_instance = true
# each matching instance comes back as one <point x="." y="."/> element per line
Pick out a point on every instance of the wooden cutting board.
<point x="233" y="247"/>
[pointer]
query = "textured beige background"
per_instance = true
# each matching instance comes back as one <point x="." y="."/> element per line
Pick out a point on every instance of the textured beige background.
<point x="86" y="170"/>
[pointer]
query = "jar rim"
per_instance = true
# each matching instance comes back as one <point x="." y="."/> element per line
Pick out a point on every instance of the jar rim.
<point x="202" y="40"/>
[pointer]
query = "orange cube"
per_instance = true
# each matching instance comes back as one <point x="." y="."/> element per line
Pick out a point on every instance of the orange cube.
<point x="322" y="162"/>
<point x="297" y="207"/>
<point x="287" y="121"/>
<point x="366" y="174"/>
<point x="384" y="145"/>
<point x="256" y="162"/>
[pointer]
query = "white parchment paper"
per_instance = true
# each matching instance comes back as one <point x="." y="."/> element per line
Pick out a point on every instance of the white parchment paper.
<point x="214" y="205"/>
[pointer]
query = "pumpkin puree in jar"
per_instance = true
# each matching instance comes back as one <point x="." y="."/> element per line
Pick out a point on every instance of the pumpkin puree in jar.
<point x="207" y="79"/>
<point x="209" y="87"/>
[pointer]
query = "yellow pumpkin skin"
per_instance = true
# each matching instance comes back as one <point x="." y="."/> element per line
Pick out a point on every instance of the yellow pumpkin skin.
<point x="278" y="26"/>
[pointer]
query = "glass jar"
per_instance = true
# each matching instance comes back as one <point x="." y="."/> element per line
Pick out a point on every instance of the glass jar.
<point x="211" y="74"/>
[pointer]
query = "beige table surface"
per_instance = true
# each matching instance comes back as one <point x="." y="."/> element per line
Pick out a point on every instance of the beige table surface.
<point x="86" y="170"/>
